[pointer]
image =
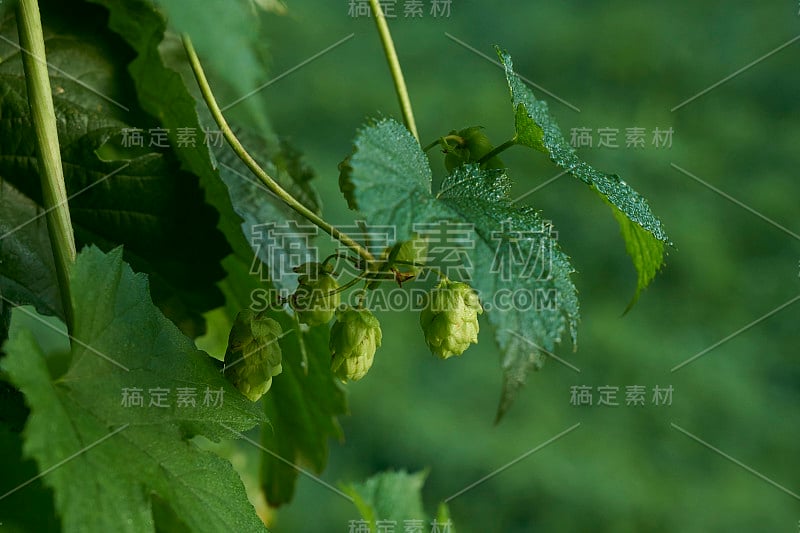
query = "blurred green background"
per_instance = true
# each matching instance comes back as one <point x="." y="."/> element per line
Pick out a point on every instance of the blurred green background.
<point x="624" y="64"/>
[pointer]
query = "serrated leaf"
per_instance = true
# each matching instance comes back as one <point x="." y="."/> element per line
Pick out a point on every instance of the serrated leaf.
<point x="528" y="132"/>
<point x="389" y="496"/>
<point x="389" y="193"/>
<point x="166" y="89"/>
<point x="506" y="234"/>
<point x="643" y="233"/>
<point x="388" y="151"/>
<point x="162" y="93"/>
<point x="127" y="198"/>
<point x="146" y="449"/>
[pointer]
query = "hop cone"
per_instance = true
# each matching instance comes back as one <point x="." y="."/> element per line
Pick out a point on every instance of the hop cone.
<point x="355" y="336"/>
<point x="254" y="355"/>
<point x="450" y="318"/>
<point x="312" y="300"/>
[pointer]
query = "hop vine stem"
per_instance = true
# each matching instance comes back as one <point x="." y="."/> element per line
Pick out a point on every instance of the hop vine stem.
<point x="394" y="67"/>
<point x="254" y="167"/>
<point x="498" y="150"/>
<point x="51" y="173"/>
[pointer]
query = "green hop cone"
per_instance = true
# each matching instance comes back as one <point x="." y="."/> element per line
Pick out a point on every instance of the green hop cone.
<point x="313" y="300"/>
<point x="254" y="355"/>
<point x="473" y="146"/>
<point x="355" y="336"/>
<point x="450" y="318"/>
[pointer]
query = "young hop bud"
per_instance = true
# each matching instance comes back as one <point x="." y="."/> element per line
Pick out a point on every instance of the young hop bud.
<point x="355" y="336"/>
<point x="450" y="318"/>
<point x="400" y="262"/>
<point x="254" y="355"/>
<point x="474" y="145"/>
<point x="407" y="257"/>
<point x="313" y="300"/>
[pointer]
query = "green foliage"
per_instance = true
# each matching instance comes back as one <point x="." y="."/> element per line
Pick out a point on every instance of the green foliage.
<point x="644" y="236"/>
<point x="27" y="272"/>
<point x="257" y="206"/>
<point x="162" y="93"/>
<point x="124" y="342"/>
<point x="391" y="496"/>
<point x="395" y="497"/>
<point x="527" y="131"/>
<point x="126" y="196"/>
<point x="30" y="509"/>
<point x="387" y="153"/>
<point x="240" y="51"/>
<point x="179" y="212"/>
<point x="303" y="403"/>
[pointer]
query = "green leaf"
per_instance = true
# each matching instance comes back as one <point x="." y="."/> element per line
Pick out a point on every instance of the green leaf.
<point x="443" y="517"/>
<point x="386" y="153"/>
<point x="528" y="132"/>
<point x="107" y="484"/>
<point x="226" y="34"/>
<point x="642" y="231"/>
<point x="389" y="496"/>
<point x="162" y="93"/>
<point x="507" y="237"/>
<point x="165" y="86"/>
<point x="27" y="271"/>
<point x="407" y="197"/>
<point x="646" y="252"/>
<point x="126" y="197"/>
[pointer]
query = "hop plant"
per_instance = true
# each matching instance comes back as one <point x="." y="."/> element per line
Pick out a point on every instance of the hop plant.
<point x="253" y="356"/>
<point x="450" y="318"/>
<point x="355" y="336"/>
<point x="315" y="300"/>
